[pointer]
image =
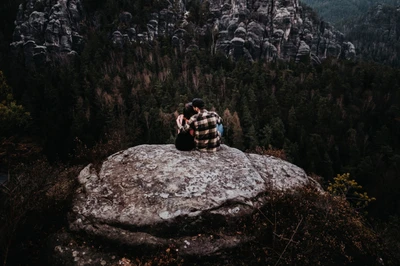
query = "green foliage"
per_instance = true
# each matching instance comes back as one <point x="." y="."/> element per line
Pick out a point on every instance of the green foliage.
<point x="13" y="117"/>
<point x="349" y="189"/>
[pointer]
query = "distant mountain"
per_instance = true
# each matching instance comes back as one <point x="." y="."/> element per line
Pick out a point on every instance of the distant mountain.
<point x="338" y="11"/>
<point x="376" y="35"/>
<point x="371" y="26"/>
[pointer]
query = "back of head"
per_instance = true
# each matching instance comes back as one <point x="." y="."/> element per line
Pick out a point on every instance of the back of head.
<point x="188" y="111"/>
<point x="197" y="102"/>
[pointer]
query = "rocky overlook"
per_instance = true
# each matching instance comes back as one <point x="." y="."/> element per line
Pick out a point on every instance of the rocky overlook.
<point x="256" y="30"/>
<point x="154" y="196"/>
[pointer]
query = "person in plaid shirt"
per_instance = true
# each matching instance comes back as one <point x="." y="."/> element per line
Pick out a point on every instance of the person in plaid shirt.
<point x="204" y="123"/>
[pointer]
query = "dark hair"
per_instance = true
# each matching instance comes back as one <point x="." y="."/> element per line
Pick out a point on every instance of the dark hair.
<point x="188" y="111"/>
<point x="197" y="102"/>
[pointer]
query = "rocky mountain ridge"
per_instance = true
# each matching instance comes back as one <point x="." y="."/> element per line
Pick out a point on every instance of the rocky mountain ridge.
<point x="48" y="27"/>
<point x="255" y="30"/>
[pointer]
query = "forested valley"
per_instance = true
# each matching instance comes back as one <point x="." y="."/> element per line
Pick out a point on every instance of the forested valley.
<point x="340" y="12"/>
<point x="372" y="26"/>
<point x="330" y="119"/>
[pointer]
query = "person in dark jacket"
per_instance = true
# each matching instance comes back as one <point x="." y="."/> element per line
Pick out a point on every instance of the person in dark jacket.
<point x="185" y="139"/>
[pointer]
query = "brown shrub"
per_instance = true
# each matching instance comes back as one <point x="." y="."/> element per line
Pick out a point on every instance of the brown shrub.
<point x="306" y="227"/>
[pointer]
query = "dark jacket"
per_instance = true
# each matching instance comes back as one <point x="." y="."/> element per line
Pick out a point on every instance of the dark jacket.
<point x="184" y="141"/>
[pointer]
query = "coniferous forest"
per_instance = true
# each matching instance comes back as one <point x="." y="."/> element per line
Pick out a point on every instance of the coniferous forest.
<point x="329" y="119"/>
<point x="338" y="12"/>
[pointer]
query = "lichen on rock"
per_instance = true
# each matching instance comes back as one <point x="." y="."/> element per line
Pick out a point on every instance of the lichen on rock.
<point x="156" y="196"/>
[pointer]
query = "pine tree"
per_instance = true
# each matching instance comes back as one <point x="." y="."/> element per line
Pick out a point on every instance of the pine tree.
<point x="237" y="136"/>
<point x="13" y="117"/>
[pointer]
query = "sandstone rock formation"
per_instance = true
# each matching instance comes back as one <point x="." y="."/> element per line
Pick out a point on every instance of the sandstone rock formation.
<point x="267" y="30"/>
<point x="154" y="196"/>
<point x="254" y="30"/>
<point x="45" y="27"/>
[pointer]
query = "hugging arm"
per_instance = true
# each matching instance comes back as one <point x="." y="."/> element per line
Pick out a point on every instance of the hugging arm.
<point x="179" y="121"/>
<point x="189" y="123"/>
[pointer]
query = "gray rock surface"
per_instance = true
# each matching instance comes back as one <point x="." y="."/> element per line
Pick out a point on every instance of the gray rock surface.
<point x="155" y="196"/>
<point x="304" y="52"/>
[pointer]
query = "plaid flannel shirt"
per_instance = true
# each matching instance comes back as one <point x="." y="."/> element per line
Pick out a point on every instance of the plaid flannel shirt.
<point x="206" y="135"/>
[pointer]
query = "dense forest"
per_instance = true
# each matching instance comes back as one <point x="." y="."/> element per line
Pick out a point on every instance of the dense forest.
<point x="372" y="26"/>
<point x="334" y="118"/>
<point x="376" y="35"/>
<point x="340" y="12"/>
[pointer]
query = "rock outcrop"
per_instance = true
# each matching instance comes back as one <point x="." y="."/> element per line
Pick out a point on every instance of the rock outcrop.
<point x="254" y="30"/>
<point x="154" y="196"/>
<point x="48" y="27"/>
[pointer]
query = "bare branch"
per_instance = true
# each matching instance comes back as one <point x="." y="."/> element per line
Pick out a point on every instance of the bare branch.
<point x="290" y="241"/>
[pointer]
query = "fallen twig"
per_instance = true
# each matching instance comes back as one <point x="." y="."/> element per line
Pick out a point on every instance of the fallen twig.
<point x="290" y="241"/>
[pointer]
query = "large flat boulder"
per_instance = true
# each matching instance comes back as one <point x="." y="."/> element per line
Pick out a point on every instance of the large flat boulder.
<point x="155" y="196"/>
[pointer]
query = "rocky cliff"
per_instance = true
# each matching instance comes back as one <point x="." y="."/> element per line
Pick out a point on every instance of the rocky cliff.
<point x="48" y="27"/>
<point x="256" y="30"/>
<point x="155" y="197"/>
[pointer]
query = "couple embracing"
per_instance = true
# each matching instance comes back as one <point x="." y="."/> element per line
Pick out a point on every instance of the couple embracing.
<point x="198" y="128"/>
